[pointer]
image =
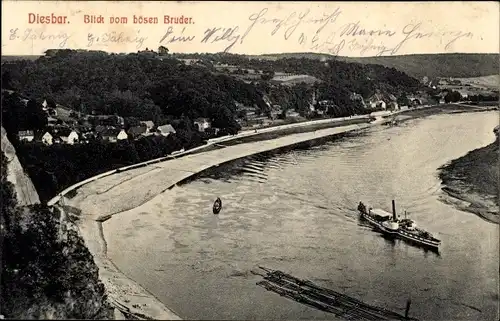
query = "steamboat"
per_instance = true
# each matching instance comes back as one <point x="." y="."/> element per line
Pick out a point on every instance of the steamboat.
<point x="405" y="229"/>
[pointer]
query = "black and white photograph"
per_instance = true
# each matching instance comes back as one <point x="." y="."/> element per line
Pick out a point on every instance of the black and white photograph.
<point x="175" y="160"/>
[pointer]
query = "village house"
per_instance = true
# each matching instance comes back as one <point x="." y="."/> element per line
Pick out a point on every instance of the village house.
<point x="122" y="135"/>
<point x="26" y="135"/>
<point x="165" y="130"/>
<point x="47" y="139"/>
<point x="202" y="124"/>
<point x="464" y="94"/>
<point x="325" y="106"/>
<point x="149" y="125"/>
<point x="69" y="136"/>
<point x="393" y="106"/>
<point x="275" y="111"/>
<point x="415" y="102"/>
<point x="441" y="98"/>
<point x="113" y="135"/>
<point x="106" y="120"/>
<point x="137" y="131"/>
<point x="376" y="101"/>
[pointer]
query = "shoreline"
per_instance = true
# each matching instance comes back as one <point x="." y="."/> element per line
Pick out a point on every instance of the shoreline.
<point x="123" y="291"/>
<point x="470" y="182"/>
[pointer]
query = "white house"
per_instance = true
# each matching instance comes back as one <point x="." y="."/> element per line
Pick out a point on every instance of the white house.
<point x="165" y="130"/>
<point x="122" y="135"/>
<point x="149" y="124"/>
<point x="26" y="135"/>
<point x="47" y="139"/>
<point x="71" y="138"/>
<point x="378" y="104"/>
<point x="202" y="124"/>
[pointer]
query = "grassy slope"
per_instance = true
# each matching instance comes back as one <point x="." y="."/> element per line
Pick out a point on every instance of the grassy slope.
<point x="491" y="82"/>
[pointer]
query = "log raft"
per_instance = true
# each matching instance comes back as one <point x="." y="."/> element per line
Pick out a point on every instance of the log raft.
<point x="308" y="293"/>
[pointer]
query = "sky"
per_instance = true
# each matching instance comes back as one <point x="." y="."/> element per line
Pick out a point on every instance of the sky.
<point x="339" y="28"/>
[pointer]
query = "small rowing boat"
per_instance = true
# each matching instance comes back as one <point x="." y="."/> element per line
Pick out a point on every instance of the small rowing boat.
<point x="217" y="206"/>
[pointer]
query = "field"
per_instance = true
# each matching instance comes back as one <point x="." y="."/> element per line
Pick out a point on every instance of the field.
<point x="489" y="82"/>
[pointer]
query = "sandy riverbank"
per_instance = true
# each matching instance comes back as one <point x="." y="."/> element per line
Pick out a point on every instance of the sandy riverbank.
<point x="472" y="182"/>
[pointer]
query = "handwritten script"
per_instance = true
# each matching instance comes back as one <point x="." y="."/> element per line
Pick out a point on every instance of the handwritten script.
<point x="60" y="39"/>
<point x="328" y="32"/>
<point x="114" y="37"/>
<point x="321" y="33"/>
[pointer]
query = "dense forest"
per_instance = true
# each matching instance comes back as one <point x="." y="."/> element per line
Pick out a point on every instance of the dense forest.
<point x="457" y="65"/>
<point x="45" y="274"/>
<point x="363" y="79"/>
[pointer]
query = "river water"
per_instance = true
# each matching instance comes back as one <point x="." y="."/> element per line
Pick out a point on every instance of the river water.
<point x="296" y="211"/>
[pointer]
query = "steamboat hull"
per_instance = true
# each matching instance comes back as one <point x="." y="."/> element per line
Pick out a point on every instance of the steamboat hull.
<point x="401" y="234"/>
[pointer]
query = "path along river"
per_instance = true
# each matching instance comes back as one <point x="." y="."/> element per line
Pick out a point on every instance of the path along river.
<point x="296" y="211"/>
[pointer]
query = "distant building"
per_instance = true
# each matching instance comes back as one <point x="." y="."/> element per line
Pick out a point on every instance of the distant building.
<point x="165" y="130"/>
<point x="26" y="135"/>
<point x="122" y="135"/>
<point x="202" y="124"/>
<point x="47" y="139"/>
<point x="137" y="131"/>
<point x="275" y="112"/>
<point x="107" y="120"/>
<point x="149" y="124"/>
<point x="393" y="105"/>
<point x="113" y="135"/>
<point x="70" y="138"/>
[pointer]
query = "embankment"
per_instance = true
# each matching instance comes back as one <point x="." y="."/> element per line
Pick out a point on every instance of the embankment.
<point x="473" y="180"/>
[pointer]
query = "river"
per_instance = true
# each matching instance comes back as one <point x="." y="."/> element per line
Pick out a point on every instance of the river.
<point x="296" y="211"/>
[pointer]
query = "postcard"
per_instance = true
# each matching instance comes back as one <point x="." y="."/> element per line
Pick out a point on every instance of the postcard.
<point x="254" y="160"/>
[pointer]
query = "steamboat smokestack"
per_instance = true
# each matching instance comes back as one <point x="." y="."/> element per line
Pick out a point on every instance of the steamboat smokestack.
<point x="393" y="210"/>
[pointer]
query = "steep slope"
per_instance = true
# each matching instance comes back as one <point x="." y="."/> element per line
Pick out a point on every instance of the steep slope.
<point x="46" y="270"/>
<point x="25" y="190"/>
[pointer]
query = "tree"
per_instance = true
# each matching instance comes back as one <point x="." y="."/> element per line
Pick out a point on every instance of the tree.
<point x="163" y="51"/>
<point x="37" y="118"/>
<point x="403" y="100"/>
<point x="452" y="96"/>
